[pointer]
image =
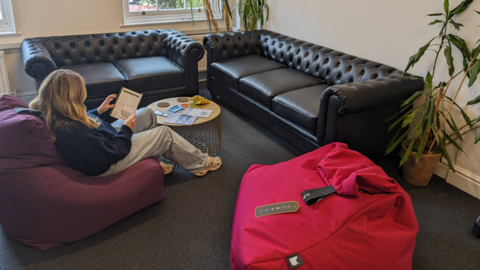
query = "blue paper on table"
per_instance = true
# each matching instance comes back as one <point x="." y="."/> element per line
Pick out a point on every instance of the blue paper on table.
<point x="175" y="109"/>
<point x="161" y="113"/>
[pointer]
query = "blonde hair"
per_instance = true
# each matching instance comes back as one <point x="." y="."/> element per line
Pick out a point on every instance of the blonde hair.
<point x="60" y="100"/>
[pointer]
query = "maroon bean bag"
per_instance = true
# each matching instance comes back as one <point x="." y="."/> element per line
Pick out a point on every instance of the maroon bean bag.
<point x="44" y="203"/>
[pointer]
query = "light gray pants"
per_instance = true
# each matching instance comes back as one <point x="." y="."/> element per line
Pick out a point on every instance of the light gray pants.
<point x="149" y="140"/>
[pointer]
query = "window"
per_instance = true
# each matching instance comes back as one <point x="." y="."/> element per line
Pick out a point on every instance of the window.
<point x="7" y="23"/>
<point x="158" y="11"/>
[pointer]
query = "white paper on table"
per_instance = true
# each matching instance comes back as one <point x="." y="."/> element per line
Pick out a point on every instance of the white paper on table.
<point x="197" y="112"/>
<point x="126" y="104"/>
<point x="180" y="119"/>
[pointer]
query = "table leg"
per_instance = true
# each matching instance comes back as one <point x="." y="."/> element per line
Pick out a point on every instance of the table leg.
<point x="207" y="137"/>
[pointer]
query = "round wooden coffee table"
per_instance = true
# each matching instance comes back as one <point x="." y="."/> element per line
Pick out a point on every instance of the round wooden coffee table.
<point x="205" y="133"/>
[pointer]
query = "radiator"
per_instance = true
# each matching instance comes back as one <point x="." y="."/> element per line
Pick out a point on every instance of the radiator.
<point x="202" y="64"/>
<point x="4" y="85"/>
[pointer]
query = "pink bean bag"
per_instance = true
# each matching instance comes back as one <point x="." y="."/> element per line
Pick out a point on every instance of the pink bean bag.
<point x="367" y="221"/>
<point x="44" y="203"/>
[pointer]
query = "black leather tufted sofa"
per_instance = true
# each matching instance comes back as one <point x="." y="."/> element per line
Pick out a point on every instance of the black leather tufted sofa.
<point x="159" y="63"/>
<point x="308" y="94"/>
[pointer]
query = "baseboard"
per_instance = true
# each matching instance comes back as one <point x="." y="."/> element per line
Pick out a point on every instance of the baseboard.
<point x="28" y="98"/>
<point x="202" y="76"/>
<point x="461" y="179"/>
<point x="442" y="170"/>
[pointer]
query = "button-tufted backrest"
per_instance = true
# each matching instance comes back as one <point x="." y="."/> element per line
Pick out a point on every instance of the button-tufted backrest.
<point x="332" y="66"/>
<point x="231" y="45"/>
<point x="82" y="49"/>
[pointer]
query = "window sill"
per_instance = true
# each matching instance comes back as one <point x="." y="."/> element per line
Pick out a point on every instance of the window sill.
<point x="3" y="34"/>
<point x="130" y="23"/>
<point x="203" y="31"/>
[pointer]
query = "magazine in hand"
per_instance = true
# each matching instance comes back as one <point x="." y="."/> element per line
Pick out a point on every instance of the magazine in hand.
<point x="126" y="104"/>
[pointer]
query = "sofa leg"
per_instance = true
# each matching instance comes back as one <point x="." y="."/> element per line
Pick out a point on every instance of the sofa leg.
<point x="476" y="229"/>
<point x="214" y="96"/>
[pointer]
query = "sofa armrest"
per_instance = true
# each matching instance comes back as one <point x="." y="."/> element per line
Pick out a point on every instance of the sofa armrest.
<point x="355" y="113"/>
<point x="180" y="48"/>
<point x="186" y="53"/>
<point x="371" y="94"/>
<point x="37" y="60"/>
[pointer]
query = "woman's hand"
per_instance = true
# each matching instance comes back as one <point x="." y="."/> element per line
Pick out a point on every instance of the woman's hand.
<point x="131" y="122"/>
<point x="106" y="104"/>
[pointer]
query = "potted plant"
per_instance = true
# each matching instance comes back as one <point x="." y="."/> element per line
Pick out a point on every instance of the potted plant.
<point x="436" y="128"/>
<point x="226" y="11"/>
<point x="252" y="12"/>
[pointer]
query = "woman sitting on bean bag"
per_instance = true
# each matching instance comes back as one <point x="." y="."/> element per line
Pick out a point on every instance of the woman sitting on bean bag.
<point x="94" y="147"/>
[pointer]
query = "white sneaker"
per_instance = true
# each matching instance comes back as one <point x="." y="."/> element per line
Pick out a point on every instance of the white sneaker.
<point x="167" y="168"/>
<point x="212" y="164"/>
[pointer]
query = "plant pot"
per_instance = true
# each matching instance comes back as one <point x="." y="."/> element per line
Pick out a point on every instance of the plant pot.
<point x="419" y="174"/>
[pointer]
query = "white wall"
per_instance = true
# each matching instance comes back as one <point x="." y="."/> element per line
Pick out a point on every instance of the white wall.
<point x="67" y="17"/>
<point x="389" y="32"/>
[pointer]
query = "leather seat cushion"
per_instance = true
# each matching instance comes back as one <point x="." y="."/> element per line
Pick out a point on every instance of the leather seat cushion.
<point x="148" y="73"/>
<point x="264" y="86"/>
<point x="229" y="71"/>
<point x="101" y="79"/>
<point x="300" y="106"/>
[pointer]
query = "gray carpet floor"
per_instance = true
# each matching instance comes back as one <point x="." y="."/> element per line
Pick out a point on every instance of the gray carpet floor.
<point x="190" y="228"/>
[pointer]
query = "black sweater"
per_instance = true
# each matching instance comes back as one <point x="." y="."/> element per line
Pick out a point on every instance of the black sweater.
<point x="93" y="151"/>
